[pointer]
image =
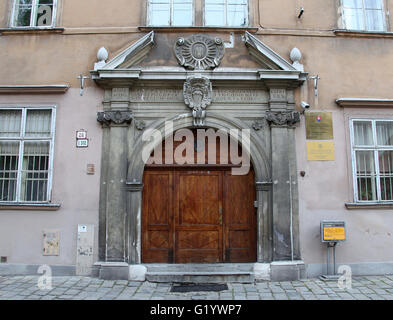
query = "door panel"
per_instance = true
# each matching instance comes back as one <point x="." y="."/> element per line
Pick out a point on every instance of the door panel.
<point x="198" y="215"/>
<point x="157" y="235"/>
<point x="240" y="219"/>
<point x="198" y="229"/>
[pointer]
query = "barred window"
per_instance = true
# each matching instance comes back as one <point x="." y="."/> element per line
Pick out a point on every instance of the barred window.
<point x="26" y="144"/>
<point x="367" y="15"/>
<point x="372" y="154"/>
<point x="34" y="13"/>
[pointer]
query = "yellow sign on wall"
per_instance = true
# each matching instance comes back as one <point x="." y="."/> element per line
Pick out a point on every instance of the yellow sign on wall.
<point x="333" y="233"/>
<point x="320" y="150"/>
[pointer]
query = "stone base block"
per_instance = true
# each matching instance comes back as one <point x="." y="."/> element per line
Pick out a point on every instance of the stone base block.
<point x="287" y="270"/>
<point x="114" y="271"/>
<point x="137" y="272"/>
<point x="261" y="272"/>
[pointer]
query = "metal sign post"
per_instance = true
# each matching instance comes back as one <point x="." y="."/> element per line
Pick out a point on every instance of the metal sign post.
<point x="332" y="232"/>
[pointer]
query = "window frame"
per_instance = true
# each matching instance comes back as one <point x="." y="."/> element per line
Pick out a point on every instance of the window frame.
<point x="226" y="16"/>
<point x="375" y="148"/>
<point x="149" y="14"/>
<point x="33" y="13"/>
<point x="21" y="139"/>
<point x="365" y="29"/>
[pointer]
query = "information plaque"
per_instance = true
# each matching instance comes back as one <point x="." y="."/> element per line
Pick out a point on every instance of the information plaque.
<point x="332" y="231"/>
<point x="319" y="125"/>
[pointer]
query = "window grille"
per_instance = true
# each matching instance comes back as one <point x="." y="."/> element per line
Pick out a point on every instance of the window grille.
<point x="26" y="147"/>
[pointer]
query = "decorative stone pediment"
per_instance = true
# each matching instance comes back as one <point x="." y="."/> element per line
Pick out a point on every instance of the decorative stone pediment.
<point x="199" y="52"/>
<point x="133" y="55"/>
<point x="197" y="92"/>
<point x="264" y="55"/>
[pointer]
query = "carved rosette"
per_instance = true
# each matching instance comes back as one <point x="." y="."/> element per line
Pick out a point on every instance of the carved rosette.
<point x="282" y="118"/>
<point x="197" y="91"/>
<point x="117" y="117"/>
<point x="199" y="52"/>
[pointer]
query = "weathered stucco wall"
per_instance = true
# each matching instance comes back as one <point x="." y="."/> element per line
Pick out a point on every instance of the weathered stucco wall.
<point x="349" y="66"/>
<point x="21" y="238"/>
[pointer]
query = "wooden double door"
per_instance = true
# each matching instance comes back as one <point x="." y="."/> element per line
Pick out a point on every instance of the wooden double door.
<point x="193" y="215"/>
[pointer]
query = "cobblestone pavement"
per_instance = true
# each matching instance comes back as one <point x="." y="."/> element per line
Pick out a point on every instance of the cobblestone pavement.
<point x="86" y="288"/>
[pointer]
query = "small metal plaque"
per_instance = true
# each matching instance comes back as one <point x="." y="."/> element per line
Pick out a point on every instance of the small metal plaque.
<point x="319" y="125"/>
<point x="82" y="143"/>
<point x="81" y="134"/>
<point x="333" y="231"/>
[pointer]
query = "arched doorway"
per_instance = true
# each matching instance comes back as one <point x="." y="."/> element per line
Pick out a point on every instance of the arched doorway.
<point x="198" y="212"/>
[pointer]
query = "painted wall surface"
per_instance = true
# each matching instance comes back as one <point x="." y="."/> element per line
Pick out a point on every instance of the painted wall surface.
<point x="349" y="66"/>
<point x="77" y="193"/>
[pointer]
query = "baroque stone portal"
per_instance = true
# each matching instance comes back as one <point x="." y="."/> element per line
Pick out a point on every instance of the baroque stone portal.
<point x="197" y="92"/>
<point x="199" y="52"/>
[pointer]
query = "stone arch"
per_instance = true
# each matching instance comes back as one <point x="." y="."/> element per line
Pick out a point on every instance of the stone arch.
<point x="258" y="156"/>
<point x="259" y="161"/>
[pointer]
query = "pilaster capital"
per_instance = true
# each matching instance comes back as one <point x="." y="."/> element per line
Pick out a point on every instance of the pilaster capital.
<point x="282" y="118"/>
<point x="115" y="117"/>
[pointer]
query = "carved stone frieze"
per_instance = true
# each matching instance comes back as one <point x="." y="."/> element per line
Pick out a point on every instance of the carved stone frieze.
<point x="282" y="118"/>
<point x="140" y="124"/>
<point x="117" y="117"/>
<point x="259" y="124"/>
<point x="197" y="91"/>
<point x="199" y="52"/>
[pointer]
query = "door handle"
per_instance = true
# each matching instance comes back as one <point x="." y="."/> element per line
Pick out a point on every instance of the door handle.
<point x="220" y="214"/>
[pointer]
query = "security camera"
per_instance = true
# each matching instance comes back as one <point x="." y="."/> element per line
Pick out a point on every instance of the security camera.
<point x="304" y="105"/>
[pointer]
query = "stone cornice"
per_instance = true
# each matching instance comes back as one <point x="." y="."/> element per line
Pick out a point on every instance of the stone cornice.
<point x="28" y="30"/>
<point x="199" y="29"/>
<point x="26" y="89"/>
<point x="364" y="102"/>
<point x="272" y="78"/>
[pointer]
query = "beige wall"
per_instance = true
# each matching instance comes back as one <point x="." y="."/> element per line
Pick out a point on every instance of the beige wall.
<point x="350" y="66"/>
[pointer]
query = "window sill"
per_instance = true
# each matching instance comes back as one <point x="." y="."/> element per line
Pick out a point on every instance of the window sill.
<point x="29" y="206"/>
<point x="371" y="205"/>
<point x="363" y="34"/>
<point x="198" y="29"/>
<point x="6" y="31"/>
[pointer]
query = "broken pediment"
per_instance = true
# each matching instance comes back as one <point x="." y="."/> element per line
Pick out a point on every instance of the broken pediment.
<point x="133" y="55"/>
<point x="265" y="56"/>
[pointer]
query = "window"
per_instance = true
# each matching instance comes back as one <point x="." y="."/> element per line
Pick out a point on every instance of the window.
<point x="216" y="13"/>
<point x="26" y="144"/>
<point x="372" y="156"/>
<point x="34" y="13"/>
<point x="170" y="12"/>
<point x="367" y="15"/>
<point x="230" y="13"/>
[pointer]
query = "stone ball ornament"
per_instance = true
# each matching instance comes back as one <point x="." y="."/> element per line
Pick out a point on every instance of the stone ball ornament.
<point x="199" y="52"/>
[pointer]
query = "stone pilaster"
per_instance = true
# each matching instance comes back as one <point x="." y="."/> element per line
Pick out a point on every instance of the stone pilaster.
<point x="134" y="205"/>
<point x="284" y="183"/>
<point x="113" y="205"/>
